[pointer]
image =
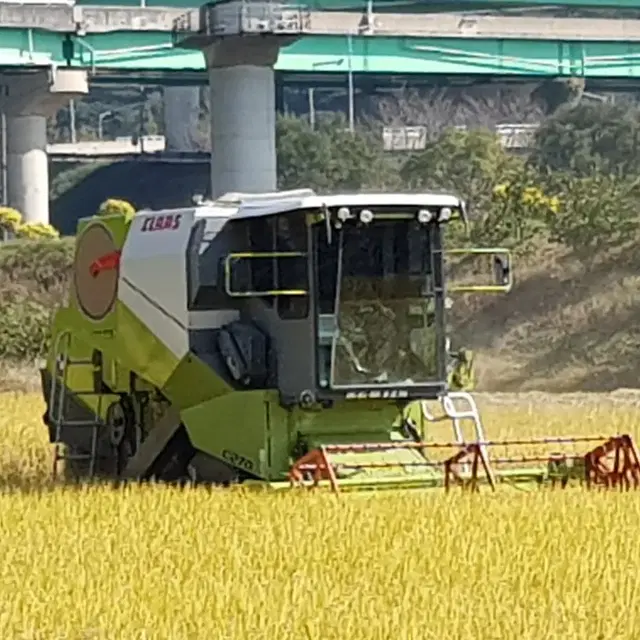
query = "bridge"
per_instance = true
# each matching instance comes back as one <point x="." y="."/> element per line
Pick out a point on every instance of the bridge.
<point x="51" y="53"/>
<point x="115" y="42"/>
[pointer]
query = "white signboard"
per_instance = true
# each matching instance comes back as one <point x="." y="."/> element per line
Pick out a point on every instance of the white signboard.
<point x="516" y="136"/>
<point x="404" y="138"/>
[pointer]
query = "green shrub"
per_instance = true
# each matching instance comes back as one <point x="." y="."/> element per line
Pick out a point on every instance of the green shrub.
<point x="24" y="330"/>
<point x="34" y="279"/>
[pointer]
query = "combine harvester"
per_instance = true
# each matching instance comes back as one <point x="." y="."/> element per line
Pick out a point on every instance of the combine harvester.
<point x="283" y="339"/>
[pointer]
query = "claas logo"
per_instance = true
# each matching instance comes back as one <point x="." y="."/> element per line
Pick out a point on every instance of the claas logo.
<point x="162" y="223"/>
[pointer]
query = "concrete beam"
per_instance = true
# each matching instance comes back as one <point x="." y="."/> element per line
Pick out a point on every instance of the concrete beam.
<point x="27" y="101"/>
<point x="86" y="19"/>
<point x="42" y="93"/>
<point x="238" y="50"/>
<point x="189" y="157"/>
<point x="466" y="26"/>
<point x="257" y="18"/>
<point x="105" y="148"/>
<point x="260" y="17"/>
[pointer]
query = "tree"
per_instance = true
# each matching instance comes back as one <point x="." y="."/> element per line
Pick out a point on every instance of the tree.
<point x="506" y="202"/>
<point x="595" y="212"/>
<point x="589" y="139"/>
<point x="469" y="163"/>
<point x="555" y="93"/>
<point x="440" y="108"/>
<point x="328" y="157"/>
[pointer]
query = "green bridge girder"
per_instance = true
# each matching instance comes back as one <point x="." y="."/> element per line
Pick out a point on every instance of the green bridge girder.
<point x="153" y="52"/>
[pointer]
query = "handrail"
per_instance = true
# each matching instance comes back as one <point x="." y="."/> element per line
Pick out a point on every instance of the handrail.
<point x="258" y="294"/>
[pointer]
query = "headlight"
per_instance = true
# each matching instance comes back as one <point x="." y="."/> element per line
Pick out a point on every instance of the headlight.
<point x="445" y="214"/>
<point x="344" y="214"/>
<point x="366" y="216"/>
<point x="424" y="216"/>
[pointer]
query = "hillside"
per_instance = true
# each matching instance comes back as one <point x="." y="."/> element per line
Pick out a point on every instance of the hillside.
<point x="568" y="212"/>
<point x="562" y="328"/>
<point x="565" y="326"/>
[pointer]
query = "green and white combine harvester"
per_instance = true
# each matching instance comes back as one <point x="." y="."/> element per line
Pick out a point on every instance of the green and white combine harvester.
<point x="284" y="339"/>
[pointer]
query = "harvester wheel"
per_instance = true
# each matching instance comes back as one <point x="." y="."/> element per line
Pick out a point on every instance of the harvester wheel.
<point x="123" y="432"/>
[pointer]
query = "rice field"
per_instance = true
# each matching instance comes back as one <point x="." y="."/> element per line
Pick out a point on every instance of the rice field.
<point x="183" y="564"/>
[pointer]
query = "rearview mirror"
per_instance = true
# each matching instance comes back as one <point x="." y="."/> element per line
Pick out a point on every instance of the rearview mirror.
<point x="478" y="270"/>
<point x="502" y="269"/>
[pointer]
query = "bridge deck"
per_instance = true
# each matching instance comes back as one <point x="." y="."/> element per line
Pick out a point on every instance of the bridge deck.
<point x="126" y="40"/>
<point x="83" y="20"/>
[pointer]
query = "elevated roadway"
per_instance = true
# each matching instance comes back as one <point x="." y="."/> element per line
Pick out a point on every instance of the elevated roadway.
<point x="49" y="53"/>
<point x="414" y="6"/>
<point x="120" y="41"/>
<point x="82" y="20"/>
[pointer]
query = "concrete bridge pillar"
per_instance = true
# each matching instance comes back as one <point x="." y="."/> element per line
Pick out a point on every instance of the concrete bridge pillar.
<point x="241" y="42"/>
<point x="181" y="113"/>
<point x="243" y="117"/>
<point x="27" y="101"/>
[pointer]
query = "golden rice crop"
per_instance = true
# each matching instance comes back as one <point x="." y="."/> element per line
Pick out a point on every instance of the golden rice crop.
<point x="173" y="564"/>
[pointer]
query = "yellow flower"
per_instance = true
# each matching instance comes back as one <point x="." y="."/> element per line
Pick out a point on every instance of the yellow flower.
<point x="10" y="218"/>
<point x="35" y="230"/>
<point x="500" y="190"/>
<point x="532" y="195"/>
<point x="116" y="207"/>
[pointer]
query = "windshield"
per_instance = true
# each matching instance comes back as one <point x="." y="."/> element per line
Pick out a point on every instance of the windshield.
<point x="376" y="302"/>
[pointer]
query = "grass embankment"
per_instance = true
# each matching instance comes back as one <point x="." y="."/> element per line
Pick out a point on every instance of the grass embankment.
<point x="566" y="326"/>
<point x="163" y="563"/>
<point x="34" y="278"/>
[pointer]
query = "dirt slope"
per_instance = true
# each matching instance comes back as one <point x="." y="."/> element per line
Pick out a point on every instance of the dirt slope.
<point x="564" y="327"/>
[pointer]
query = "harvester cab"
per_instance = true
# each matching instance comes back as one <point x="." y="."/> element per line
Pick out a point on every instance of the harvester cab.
<point x="276" y="338"/>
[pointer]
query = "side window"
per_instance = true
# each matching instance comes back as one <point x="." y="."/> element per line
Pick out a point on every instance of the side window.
<point x="273" y="264"/>
<point x="263" y="273"/>
<point x="292" y="272"/>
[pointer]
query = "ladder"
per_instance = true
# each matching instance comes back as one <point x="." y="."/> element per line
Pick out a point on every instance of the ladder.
<point x="57" y="401"/>
<point x="456" y="415"/>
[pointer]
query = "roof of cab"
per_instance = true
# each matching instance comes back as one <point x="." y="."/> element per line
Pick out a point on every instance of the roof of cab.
<point x="239" y="206"/>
